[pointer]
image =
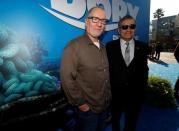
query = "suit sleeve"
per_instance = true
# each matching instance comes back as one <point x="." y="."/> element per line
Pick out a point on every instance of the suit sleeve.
<point x="145" y="67"/>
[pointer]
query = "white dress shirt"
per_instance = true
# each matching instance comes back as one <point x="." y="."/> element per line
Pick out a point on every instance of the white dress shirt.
<point x="131" y="46"/>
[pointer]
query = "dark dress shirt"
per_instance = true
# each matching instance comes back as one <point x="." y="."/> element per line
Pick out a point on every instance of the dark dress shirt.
<point x="84" y="74"/>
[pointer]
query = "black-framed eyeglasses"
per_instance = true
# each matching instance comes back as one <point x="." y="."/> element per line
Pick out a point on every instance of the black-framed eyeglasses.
<point x="125" y="27"/>
<point x="97" y="20"/>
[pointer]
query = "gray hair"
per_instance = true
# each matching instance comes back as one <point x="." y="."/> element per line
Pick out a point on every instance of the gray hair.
<point x="125" y="18"/>
<point x="93" y="8"/>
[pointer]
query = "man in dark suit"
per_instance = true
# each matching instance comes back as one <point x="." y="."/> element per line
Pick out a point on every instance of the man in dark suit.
<point x="176" y="53"/>
<point x="158" y="49"/>
<point x="176" y="89"/>
<point x="128" y="74"/>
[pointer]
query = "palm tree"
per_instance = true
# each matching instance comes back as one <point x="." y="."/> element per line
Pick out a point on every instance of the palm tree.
<point x="159" y="13"/>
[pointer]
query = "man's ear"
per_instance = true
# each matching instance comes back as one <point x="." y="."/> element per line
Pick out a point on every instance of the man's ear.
<point x="118" y="30"/>
<point x="85" y="23"/>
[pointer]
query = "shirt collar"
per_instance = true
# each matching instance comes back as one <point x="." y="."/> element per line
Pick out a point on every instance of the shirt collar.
<point x="89" y="41"/>
<point x="123" y="42"/>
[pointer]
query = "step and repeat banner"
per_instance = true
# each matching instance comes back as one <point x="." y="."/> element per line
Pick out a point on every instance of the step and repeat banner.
<point x="33" y="34"/>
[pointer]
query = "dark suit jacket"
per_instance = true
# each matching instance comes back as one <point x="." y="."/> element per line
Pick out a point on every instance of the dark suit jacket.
<point x="127" y="83"/>
<point x="176" y="53"/>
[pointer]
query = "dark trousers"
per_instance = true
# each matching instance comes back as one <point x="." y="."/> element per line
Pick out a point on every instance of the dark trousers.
<point x="157" y="55"/>
<point x="90" y="121"/>
<point x="131" y="114"/>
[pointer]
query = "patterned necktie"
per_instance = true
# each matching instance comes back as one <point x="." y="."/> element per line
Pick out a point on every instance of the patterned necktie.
<point x="127" y="54"/>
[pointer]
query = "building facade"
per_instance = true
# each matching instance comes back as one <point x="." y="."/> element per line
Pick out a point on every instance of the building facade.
<point x="166" y="31"/>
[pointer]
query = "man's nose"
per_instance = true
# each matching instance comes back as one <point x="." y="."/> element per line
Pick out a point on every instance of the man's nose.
<point x="100" y="23"/>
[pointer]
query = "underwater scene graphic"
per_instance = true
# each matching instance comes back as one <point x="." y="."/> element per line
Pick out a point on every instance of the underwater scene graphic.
<point x="20" y="74"/>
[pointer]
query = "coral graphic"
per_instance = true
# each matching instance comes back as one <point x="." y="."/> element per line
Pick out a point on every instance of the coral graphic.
<point x="19" y="76"/>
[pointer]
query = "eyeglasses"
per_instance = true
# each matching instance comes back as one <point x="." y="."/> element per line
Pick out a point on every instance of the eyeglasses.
<point x="125" y="27"/>
<point x="97" y="20"/>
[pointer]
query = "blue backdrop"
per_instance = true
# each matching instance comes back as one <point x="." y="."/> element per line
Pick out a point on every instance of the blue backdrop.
<point x="33" y="34"/>
<point x="28" y="19"/>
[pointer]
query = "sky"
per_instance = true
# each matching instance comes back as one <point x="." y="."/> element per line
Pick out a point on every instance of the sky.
<point x="170" y="7"/>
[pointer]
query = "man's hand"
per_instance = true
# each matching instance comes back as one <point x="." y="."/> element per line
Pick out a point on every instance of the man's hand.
<point x="84" y="107"/>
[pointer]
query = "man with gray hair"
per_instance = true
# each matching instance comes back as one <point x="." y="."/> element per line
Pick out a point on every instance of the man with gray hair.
<point x="84" y="74"/>
<point x="128" y="74"/>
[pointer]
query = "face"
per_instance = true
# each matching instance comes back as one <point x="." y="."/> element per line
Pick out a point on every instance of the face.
<point x="95" y="29"/>
<point x="128" y="30"/>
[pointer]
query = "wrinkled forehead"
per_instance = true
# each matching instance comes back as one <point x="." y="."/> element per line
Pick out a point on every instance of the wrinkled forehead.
<point x="98" y="12"/>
